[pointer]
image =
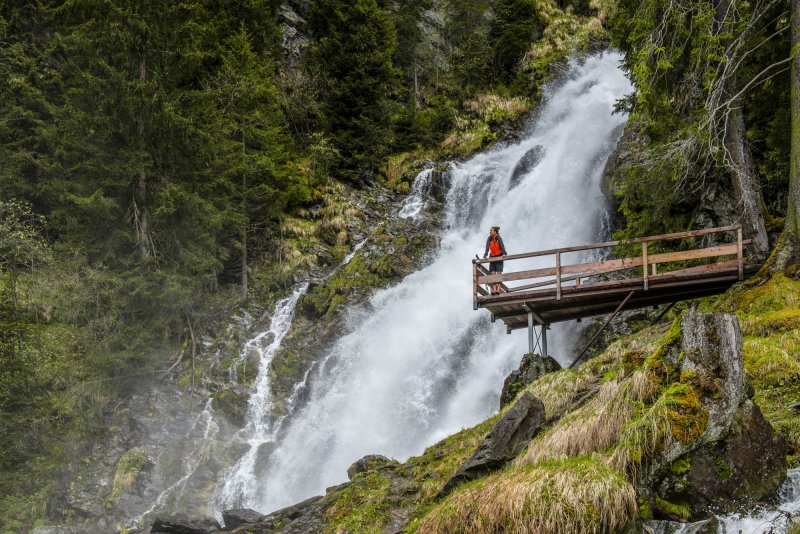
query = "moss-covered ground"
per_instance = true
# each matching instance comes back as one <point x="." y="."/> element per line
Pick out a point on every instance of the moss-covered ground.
<point x="769" y="314"/>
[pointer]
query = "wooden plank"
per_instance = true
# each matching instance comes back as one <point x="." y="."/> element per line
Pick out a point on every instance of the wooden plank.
<point x="561" y="315"/>
<point x="600" y="288"/>
<point x="475" y="287"/>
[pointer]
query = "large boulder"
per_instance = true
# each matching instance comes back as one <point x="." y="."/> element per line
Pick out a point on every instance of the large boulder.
<point x="726" y="454"/>
<point x="306" y="517"/>
<point x="531" y="367"/>
<point x="367" y="463"/>
<point x="183" y="524"/>
<point x="503" y="443"/>
<point x="237" y="517"/>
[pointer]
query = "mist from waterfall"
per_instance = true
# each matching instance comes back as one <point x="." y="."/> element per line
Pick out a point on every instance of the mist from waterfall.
<point x="419" y="364"/>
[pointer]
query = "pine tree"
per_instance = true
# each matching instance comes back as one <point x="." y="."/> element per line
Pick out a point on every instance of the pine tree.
<point x="354" y="44"/>
<point x="254" y="145"/>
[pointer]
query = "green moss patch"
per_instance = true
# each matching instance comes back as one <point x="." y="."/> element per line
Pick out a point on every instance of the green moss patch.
<point x="128" y="468"/>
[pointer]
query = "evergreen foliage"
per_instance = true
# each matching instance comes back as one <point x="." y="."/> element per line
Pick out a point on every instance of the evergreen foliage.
<point x="693" y="64"/>
<point x="354" y="45"/>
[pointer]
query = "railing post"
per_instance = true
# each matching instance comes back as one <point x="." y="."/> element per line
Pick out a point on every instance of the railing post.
<point x="740" y="252"/>
<point x="558" y="276"/>
<point x="474" y="284"/>
<point x="645" y="270"/>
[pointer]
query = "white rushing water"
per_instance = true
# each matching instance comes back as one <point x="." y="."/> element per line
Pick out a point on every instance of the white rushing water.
<point x="242" y="482"/>
<point x="767" y="520"/>
<point x="419" y="363"/>
<point x="420" y="190"/>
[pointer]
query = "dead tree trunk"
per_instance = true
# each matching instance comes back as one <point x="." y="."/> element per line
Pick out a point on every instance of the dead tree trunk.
<point x="142" y="218"/>
<point x="745" y="184"/>
<point x="244" y="237"/>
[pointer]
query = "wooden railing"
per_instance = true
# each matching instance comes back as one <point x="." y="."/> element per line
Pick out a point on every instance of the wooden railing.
<point x="573" y="274"/>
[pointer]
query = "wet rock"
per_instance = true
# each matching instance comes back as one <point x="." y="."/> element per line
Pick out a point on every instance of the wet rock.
<point x="182" y="524"/>
<point x="707" y="526"/>
<point x="526" y="164"/>
<point x="531" y="367"/>
<point x="303" y="517"/>
<point x="736" y="458"/>
<point x="54" y="530"/>
<point x="367" y="463"/>
<point x="232" y="403"/>
<point x="240" y="516"/>
<point x="503" y="442"/>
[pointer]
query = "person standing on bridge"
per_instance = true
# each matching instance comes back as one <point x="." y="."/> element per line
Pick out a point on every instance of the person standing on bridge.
<point x="495" y="248"/>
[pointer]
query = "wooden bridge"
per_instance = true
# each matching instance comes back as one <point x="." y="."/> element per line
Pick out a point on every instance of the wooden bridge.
<point x="556" y="290"/>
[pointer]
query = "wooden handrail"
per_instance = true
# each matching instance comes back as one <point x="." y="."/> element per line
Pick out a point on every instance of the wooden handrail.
<point x="607" y="244"/>
<point x="575" y="272"/>
<point x="613" y="265"/>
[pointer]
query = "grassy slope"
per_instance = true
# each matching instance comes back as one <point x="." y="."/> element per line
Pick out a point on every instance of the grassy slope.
<point x="608" y="418"/>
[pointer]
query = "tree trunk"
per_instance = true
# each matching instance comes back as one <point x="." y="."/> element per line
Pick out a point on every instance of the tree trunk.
<point x="246" y="219"/>
<point x="745" y="185"/>
<point x="142" y="216"/>
<point x="788" y="250"/>
<point x="244" y="236"/>
<point x="792" y="227"/>
<point x="793" y="210"/>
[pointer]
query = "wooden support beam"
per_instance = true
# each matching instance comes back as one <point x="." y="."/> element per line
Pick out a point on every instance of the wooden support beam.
<point x="558" y="276"/>
<point x="740" y="253"/>
<point x="608" y="321"/>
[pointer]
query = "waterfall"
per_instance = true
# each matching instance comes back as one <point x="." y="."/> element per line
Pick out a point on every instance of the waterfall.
<point x="242" y="481"/>
<point x="419" y="363"/>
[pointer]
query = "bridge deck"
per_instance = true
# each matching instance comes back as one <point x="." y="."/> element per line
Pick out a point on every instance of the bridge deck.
<point x="566" y="292"/>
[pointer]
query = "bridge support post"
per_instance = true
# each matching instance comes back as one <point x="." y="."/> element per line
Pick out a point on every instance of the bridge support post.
<point x="530" y="332"/>
<point x="544" y="340"/>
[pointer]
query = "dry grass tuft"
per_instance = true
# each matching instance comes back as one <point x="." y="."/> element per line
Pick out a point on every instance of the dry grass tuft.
<point x="558" y="390"/>
<point x="488" y="106"/>
<point x="297" y="227"/>
<point x="597" y="425"/>
<point x="579" y="495"/>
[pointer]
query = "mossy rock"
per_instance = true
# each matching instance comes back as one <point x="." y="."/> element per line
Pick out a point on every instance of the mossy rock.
<point x="232" y="403"/>
<point x="130" y="464"/>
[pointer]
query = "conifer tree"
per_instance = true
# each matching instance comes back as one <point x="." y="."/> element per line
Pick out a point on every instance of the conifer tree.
<point x="354" y="44"/>
<point x="254" y="145"/>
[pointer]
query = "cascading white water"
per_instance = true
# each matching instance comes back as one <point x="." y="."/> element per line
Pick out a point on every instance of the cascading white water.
<point x="420" y="190"/>
<point x="773" y="520"/>
<point x="242" y="482"/>
<point x="419" y="363"/>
